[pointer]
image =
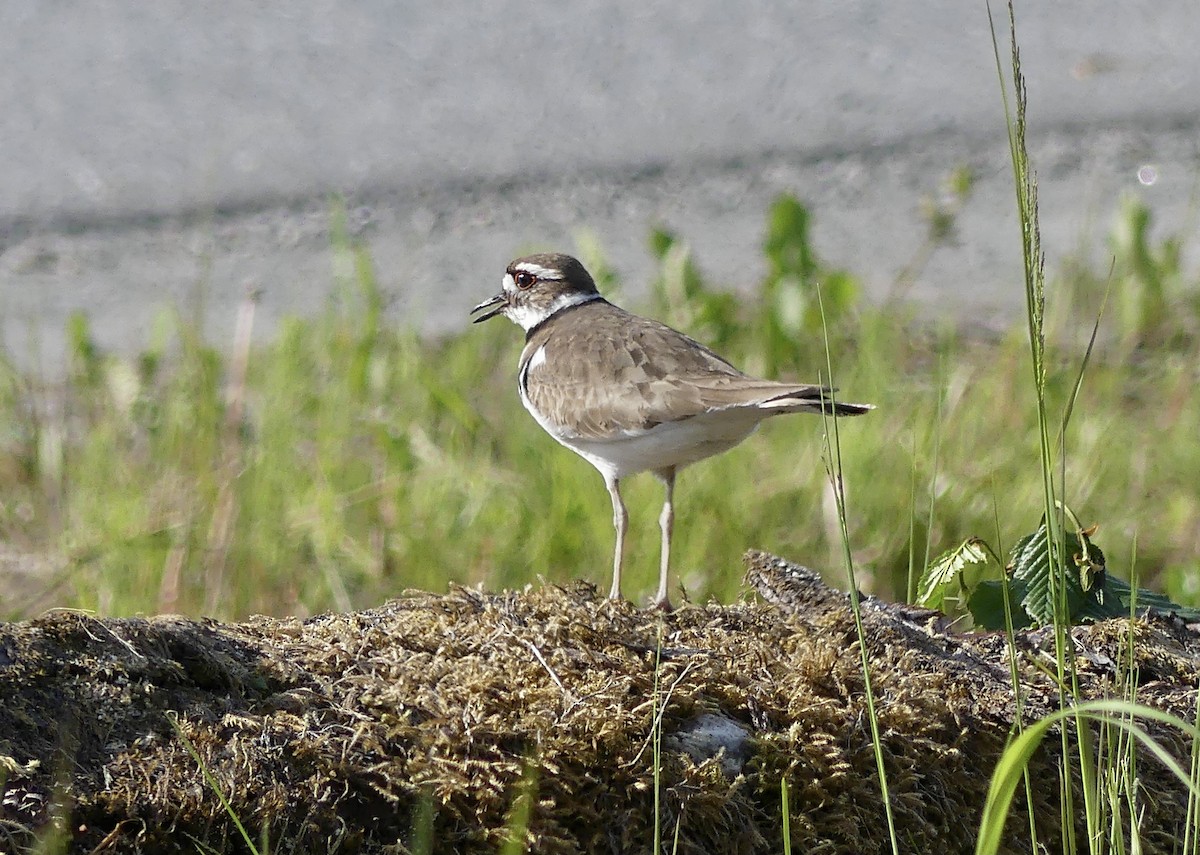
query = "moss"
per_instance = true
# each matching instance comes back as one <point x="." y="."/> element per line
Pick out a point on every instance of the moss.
<point x="330" y="733"/>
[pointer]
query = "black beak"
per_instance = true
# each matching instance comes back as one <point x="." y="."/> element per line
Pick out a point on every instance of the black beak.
<point x="499" y="302"/>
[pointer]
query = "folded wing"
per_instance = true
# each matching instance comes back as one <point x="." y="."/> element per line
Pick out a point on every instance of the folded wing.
<point x="624" y="375"/>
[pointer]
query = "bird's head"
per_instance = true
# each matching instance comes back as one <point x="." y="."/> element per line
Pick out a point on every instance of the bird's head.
<point x="538" y="286"/>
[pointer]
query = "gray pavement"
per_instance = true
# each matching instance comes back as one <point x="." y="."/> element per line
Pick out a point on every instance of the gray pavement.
<point x="157" y="153"/>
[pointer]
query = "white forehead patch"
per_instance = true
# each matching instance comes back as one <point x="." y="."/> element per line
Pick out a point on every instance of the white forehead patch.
<point x="539" y="271"/>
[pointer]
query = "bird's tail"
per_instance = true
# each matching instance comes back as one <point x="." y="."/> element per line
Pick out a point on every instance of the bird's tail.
<point x="815" y="399"/>
<point x="840" y="408"/>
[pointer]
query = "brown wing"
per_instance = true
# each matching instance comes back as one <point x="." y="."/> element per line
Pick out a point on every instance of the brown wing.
<point x="609" y="373"/>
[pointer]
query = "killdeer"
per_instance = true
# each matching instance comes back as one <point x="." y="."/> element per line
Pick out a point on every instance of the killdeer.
<point x="630" y="394"/>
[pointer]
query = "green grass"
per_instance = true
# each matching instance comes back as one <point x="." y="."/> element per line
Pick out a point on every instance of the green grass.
<point x="1100" y="741"/>
<point x="366" y="459"/>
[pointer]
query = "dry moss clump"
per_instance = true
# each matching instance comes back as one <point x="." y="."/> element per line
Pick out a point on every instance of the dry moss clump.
<point x="336" y="732"/>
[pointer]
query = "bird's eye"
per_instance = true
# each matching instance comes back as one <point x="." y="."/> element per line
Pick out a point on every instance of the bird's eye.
<point x="524" y="280"/>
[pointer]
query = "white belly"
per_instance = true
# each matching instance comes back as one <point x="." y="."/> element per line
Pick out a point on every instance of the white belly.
<point x="671" y="444"/>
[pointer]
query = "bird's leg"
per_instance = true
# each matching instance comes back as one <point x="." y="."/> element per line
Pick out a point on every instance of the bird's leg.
<point x="666" y="521"/>
<point x="620" y="523"/>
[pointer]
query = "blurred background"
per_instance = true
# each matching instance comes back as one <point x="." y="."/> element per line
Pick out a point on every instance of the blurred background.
<point x="367" y="169"/>
<point x="151" y="150"/>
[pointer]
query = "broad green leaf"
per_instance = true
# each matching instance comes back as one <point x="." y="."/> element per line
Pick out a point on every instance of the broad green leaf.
<point x="1033" y="563"/>
<point x="1091" y="593"/>
<point x="1117" y="595"/>
<point x="986" y="605"/>
<point x="946" y="569"/>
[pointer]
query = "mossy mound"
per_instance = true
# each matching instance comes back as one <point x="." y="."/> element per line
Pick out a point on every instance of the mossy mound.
<point x="338" y="733"/>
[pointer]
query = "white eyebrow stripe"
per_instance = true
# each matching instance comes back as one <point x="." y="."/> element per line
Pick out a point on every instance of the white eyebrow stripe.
<point x="539" y="271"/>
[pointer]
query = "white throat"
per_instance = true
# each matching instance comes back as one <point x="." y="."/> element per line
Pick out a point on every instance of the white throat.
<point x="528" y="317"/>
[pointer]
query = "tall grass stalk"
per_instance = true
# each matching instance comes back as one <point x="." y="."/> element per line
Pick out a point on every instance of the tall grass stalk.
<point x="1191" y="829"/>
<point x="833" y="462"/>
<point x="215" y="786"/>
<point x="1025" y="183"/>
<point x="422" y="825"/>
<point x="1107" y="765"/>
<point x="1010" y="768"/>
<point x="787" y="815"/>
<point x="1014" y="674"/>
<point x="656" y="748"/>
<point x="519" y="816"/>
<point x="913" y="573"/>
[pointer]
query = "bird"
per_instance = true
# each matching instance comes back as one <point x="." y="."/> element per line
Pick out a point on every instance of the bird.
<point x="630" y="394"/>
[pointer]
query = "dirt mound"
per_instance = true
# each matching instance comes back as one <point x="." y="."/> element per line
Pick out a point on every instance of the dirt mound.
<point x="434" y="716"/>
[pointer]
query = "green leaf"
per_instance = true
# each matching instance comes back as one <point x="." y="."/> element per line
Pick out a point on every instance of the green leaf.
<point x="945" y="570"/>
<point x="661" y="240"/>
<point x="1034" y="564"/>
<point x="1091" y="593"/>
<point x="787" y="246"/>
<point x="986" y="605"/>
<point x="1118" y="595"/>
